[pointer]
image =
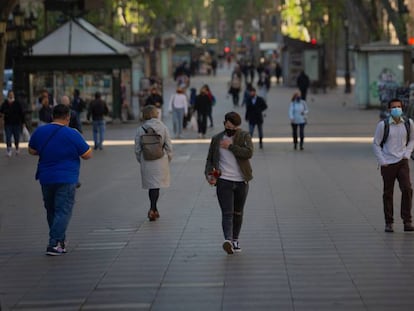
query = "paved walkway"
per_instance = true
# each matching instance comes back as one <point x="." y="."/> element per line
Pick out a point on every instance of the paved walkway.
<point x="312" y="237"/>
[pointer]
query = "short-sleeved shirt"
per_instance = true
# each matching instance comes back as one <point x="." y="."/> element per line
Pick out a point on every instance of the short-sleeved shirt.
<point x="59" y="156"/>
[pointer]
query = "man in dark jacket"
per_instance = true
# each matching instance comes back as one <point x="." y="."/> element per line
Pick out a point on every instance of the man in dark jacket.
<point x="13" y="121"/>
<point x="254" y="114"/>
<point x="97" y="110"/>
<point x="303" y="84"/>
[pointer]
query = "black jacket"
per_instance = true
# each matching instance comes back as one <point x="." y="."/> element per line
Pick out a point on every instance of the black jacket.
<point x="254" y="111"/>
<point x="13" y="113"/>
<point x="97" y="109"/>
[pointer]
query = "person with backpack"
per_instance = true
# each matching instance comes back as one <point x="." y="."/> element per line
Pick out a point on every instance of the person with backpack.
<point x="153" y="151"/>
<point x="393" y="144"/>
<point x="298" y="111"/>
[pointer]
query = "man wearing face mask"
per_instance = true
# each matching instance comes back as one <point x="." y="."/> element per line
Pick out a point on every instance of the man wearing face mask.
<point x="228" y="168"/>
<point x="393" y="145"/>
<point x="254" y="114"/>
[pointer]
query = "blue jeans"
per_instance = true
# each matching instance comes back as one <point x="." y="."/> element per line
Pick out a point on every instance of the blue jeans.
<point x="78" y="119"/>
<point x="259" y="129"/>
<point x="232" y="197"/>
<point x="15" y="131"/>
<point x="98" y="133"/>
<point x="178" y="116"/>
<point x="58" y="201"/>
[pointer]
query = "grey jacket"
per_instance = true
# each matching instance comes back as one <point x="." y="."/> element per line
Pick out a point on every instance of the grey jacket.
<point x="242" y="149"/>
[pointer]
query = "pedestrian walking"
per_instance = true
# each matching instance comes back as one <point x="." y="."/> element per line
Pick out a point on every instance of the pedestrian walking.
<point x="278" y="72"/>
<point x="156" y="100"/>
<point x="78" y="105"/>
<point x="202" y="107"/>
<point x="98" y="110"/>
<point x="213" y="103"/>
<point x="235" y="85"/>
<point x="263" y="84"/>
<point x="13" y="114"/>
<point x="303" y="84"/>
<point x="178" y="106"/>
<point x="298" y="112"/>
<point x="74" y="121"/>
<point x="393" y="144"/>
<point x="254" y="114"/>
<point x="228" y="168"/>
<point x="45" y="111"/>
<point x="155" y="174"/>
<point x="59" y="148"/>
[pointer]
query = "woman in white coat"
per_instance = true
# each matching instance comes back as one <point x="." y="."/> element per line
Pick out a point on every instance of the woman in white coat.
<point x="298" y="111"/>
<point x="155" y="174"/>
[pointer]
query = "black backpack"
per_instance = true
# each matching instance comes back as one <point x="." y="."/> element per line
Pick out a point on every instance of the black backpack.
<point x="151" y="144"/>
<point x="407" y="125"/>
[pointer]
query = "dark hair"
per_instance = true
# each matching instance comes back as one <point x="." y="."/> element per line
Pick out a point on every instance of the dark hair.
<point x="76" y="92"/>
<point x="233" y="117"/>
<point x="252" y="89"/>
<point x="61" y="111"/>
<point x="395" y="100"/>
<point x="97" y="95"/>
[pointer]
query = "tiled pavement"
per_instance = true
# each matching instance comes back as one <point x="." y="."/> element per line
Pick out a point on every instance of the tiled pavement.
<point x="312" y="237"/>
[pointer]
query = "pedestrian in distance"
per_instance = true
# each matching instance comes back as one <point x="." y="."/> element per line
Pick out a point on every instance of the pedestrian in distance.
<point x="97" y="111"/>
<point x="155" y="174"/>
<point x="78" y="105"/>
<point x="213" y="103"/>
<point x="278" y="72"/>
<point x="298" y="112"/>
<point x="59" y="148"/>
<point x="74" y="121"/>
<point x="235" y="85"/>
<point x="156" y="100"/>
<point x="203" y="106"/>
<point x="228" y="169"/>
<point x="303" y="84"/>
<point x="254" y="114"/>
<point x="45" y="110"/>
<point x="178" y="106"/>
<point x="13" y="114"/>
<point x="393" y="144"/>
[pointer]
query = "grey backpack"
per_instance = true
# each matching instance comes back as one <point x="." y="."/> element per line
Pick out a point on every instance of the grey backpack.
<point x="151" y="144"/>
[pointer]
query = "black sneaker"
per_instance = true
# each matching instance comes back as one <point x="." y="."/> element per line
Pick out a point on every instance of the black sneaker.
<point x="63" y="247"/>
<point x="388" y="228"/>
<point x="228" y="247"/>
<point x="236" y="247"/>
<point x="408" y="228"/>
<point x="54" y="250"/>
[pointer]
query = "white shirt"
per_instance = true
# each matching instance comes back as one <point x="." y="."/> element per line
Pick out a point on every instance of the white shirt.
<point x="395" y="148"/>
<point x="178" y="101"/>
<point x="228" y="165"/>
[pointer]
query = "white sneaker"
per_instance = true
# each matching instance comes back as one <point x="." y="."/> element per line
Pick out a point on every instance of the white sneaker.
<point x="9" y="153"/>
<point x="17" y="152"/>
<point x="228" y="247"/>
<point x="236" y="247"/>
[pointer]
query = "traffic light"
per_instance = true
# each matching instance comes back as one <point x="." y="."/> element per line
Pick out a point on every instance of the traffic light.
<point x="253" y="38"/>
<point x="313" y="41"/>
<point x="239" y="38"/>
<point x="411" y="41"/>
<point x="227" y="49"/>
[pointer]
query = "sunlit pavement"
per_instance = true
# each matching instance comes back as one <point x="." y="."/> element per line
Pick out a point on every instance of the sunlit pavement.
<point x="312" y="236"/>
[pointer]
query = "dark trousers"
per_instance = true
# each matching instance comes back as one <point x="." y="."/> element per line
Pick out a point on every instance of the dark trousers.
<point x="398" y="171"/>
<point x="232" y="197"/>
<point x="202" y="123"/>
<point x="295" y="133"/>
<point x="12" y="130"/>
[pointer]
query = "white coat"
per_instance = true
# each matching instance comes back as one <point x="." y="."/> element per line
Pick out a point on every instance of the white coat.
<point x="156" y="173"/>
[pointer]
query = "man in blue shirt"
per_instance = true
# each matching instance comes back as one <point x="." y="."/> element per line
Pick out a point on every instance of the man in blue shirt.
<point x="59" y="148"/>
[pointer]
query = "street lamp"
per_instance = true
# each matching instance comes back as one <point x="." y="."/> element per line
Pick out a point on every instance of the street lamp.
<point x="21" y="33"/>
<point x="347" y="73"/>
